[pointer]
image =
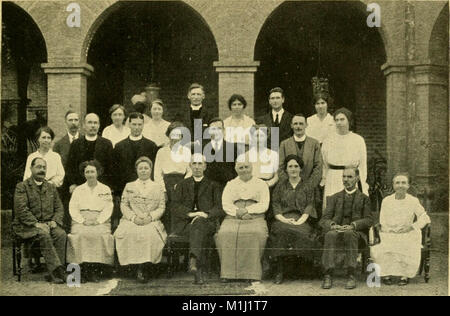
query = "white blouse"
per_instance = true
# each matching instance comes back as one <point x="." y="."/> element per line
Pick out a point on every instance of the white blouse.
<point x="264" y="162"/>
<point x="114" y="135"/>
<point x="238" y="131"/>
<point x="320" y="130"/>
<point x="98" y="199"/>
<point x="55" y="170"/>
<point x="172" y="161"/>
<point x="254" y="189"/>
<point x="156" y="132"/>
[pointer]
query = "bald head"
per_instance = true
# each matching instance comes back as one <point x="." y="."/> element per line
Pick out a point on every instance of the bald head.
<point x="91" y="124"/>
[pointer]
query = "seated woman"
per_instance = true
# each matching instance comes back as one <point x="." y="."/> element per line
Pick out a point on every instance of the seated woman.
<point x="293" y="205"/>
<point x="90" y="242"/>
<point x="140" y="237"/>
<point x="242" y="236"/>
<point x="237" y="126"/>
<point x="399" y="251"/>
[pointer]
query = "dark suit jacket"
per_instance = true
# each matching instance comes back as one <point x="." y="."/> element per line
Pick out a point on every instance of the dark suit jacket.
<point x="185" y="118"/>
<point x="33" y="205"/>
<point x="220" y="170"/>
<point x="361" y="213"/>
<point x="103" y="153"/>
<point x="125" y="159"/>
<point x="62" y="147"/>
<point x="285" y="130"/>
<point x="209" y="201"/>
<point x="312" y="158"/>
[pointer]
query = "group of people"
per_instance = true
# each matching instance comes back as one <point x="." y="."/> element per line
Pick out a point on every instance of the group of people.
<point x="304" y="195"/>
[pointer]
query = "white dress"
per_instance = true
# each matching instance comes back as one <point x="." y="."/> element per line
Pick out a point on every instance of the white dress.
<point x="320" y="130"/>
<point x="398" y="254"/>
<point x="114" y="135"/>
<point x="238" y="131"/>
<point x="55" y="169"/>
<point x="93" y="244"/>
<point x="343" y="150"/>
<point x="172" y="161"/>
<point x="156" y="132"/>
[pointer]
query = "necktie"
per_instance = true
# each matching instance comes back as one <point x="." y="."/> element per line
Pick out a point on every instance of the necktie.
<point x="276" y="123"/>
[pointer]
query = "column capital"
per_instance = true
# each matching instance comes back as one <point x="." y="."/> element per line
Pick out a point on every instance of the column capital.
<point x="68" y="68"/>
<point x="392" y="67"/>
<point x="237" y="67"/>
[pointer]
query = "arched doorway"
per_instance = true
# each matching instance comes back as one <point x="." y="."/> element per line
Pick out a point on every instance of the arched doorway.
<point x="300" y="35"/>
<point x="23" y="93"/>
<point x="143" y="42"/>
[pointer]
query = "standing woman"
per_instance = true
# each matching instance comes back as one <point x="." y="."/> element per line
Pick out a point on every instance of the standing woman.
<point x="117" y="131"/>
<point x="90" y="242"/>
<point x="293" y="205"/>
<point x="141" y="237"/>
<point x="238" y="125"/>
<point x="156" y="128"/>
<point x="342" y="149"/>
<point x="55" y="170"/>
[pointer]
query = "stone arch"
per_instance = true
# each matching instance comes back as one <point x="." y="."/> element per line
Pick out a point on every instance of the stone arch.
<point x="439" y="38"/>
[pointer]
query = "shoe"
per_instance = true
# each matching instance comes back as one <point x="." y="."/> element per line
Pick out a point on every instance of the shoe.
<point x="327" y="282"/>
<point x="351" y="283"/>
<point x="141" y="276"/>
<point x="403" y="281"/>
<point x="198" y="275"/>
<point x="278" y="278"/>
<point x="193" y="265"/>
<point x="53" y="278"/>
<point x="39" y="268"/>
<point x="387" y="281"/>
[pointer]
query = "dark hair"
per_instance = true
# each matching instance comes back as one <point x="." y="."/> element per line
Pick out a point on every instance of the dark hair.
<point x="276" y="89"/>
<point x="33" y="162"/>
<point x="215" y="119"/>
<point x="173" y="126"/>
<point x="404" y="174"/>
<point x="157" y="101"/>
<point x="262" y="127"/>
<point x="45" y="129"/>
<point x="115" y="107"/>
<point x="196" y="86"/>
<point x="356" y="169"/>
<point x="347" y="113"/>
<point x="293" y="157"/>
<point x="323" y="96"/>
<point x="68" y="113"/>
<point x="135" y="115"/>
<point x="299" y="115"/>
<point x="237" y="97"/>
<point x="139" y="107"/>
<point x="143" y="159"/>
<point x="92" y="163"/>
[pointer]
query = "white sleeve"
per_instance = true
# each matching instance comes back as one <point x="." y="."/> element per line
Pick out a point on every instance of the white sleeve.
<point x="422" y="216"/>
<point x="159" y="170"/>
<point x="108" y="206"/>
<point x="363" y="166"/>
<point x="263" y="204"/>
<point x="227" y="200"/>
<point x="27" y="172"/>
<point x="74" y="207"/>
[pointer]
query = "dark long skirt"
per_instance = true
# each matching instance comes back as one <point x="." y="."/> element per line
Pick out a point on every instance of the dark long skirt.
<point x="170" y="181"/>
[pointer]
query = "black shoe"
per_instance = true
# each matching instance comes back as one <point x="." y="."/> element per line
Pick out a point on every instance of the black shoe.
<point x="387" y="281"/>
<point x="278" y="278"/>
<point x="403" y="281"/>
<point x="39" y="268"/>
<point x="141" y="278"/>
<point x="327" y="282"/>
<point x="351" y="282"/>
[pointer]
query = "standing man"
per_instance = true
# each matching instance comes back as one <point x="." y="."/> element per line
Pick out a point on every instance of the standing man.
<point x="321" y="124"/>
<point x="89" y="147"/>
<point x="62" y="147"/>
<point x="39" y="213"/>
<point x="220" y="155"/>
<point x="126" y="152"/>
<point x="197" y="211"/>
<point x="278" y="116"/>
<point x="345" y="222"/>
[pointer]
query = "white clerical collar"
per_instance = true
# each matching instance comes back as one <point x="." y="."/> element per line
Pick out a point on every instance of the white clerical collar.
<point x="91" y="139"/>
<point x="72" y="137"/>
<point x="197" y="179"/>
<point x="135" y="138"/>
<point x="196" y="107"/>
<point x="300" y="139"/>
<point x="280" y="114"/>
<point x="37" y="182"/>
<point x="352" y="191"/>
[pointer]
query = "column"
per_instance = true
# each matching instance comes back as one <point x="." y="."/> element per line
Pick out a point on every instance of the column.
<point x="67" y="89"/>
<point x="236" y="77"/>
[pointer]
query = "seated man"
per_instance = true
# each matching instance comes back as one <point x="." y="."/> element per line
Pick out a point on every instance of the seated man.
<point x="197" y="209"/>
<point x="243" y="234"/>
<point x="39" y="213"/>
<point x="346" y="218"/>
<point x="399" y="251"/>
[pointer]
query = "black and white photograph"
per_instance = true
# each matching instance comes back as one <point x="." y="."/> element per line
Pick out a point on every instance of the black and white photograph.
<point x="224" y="148"/>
